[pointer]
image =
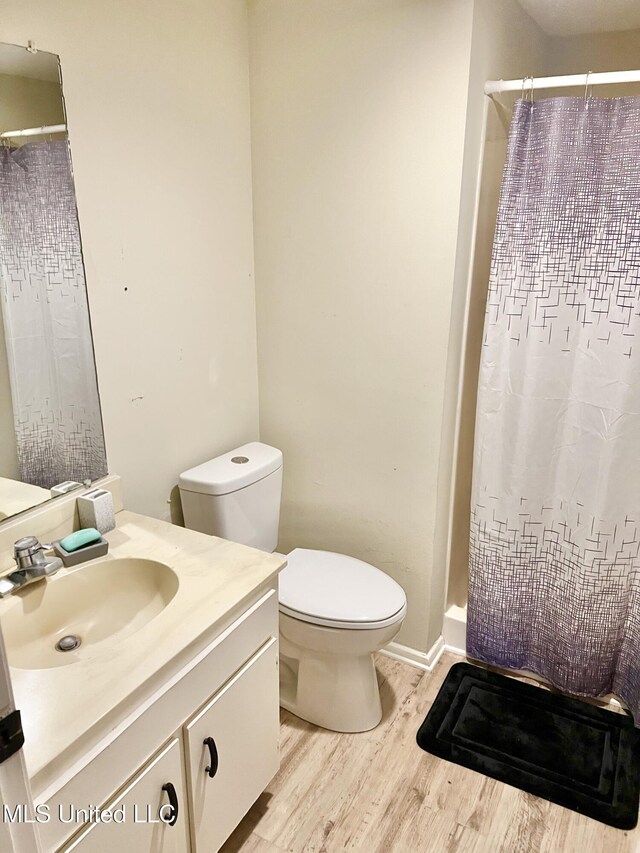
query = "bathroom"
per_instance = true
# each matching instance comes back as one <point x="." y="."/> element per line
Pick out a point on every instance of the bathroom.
<point x="287" y="214"/>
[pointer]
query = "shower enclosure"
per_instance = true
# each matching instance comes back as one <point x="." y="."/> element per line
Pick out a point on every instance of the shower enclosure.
<point x="554" y="581"/>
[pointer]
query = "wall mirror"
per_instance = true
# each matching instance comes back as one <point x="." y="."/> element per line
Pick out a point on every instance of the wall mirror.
<point x="50" y="421"/>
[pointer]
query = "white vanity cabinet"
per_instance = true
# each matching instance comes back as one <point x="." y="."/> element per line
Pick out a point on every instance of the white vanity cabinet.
<point x="136" y="825"/>
<point x="232" y="750"/>
<point x="208" y="742"/>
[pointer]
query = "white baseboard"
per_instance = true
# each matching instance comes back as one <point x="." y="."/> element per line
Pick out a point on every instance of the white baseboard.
<point x="453" y="639"/>
<point x="421" y="660"/>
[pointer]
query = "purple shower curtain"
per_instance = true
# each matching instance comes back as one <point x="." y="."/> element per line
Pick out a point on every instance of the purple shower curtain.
<point x="43" y="305"/>
<point x="554" y="567"/>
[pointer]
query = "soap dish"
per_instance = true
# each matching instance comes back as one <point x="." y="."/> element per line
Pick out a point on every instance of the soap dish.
<point x="81" y="555"/>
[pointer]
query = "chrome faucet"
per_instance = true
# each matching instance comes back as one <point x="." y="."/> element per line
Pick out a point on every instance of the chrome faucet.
<point x="32" y="565"/>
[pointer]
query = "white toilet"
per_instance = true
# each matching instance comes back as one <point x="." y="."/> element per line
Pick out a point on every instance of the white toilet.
<point x="335" y="611"/>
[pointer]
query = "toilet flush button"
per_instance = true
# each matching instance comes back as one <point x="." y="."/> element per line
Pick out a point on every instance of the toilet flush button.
<point x="240" y="460"/>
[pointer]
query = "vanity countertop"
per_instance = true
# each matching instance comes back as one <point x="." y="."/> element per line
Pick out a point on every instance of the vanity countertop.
<point x="67" y="709"/>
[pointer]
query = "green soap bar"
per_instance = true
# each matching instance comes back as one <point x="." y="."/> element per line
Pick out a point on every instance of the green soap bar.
<point x="79" y="539"/>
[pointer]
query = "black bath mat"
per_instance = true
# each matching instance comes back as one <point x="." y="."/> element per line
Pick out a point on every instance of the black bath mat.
<point x="570" y="752"/>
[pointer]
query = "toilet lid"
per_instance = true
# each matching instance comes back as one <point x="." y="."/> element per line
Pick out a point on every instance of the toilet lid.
<point x="336" y="590"/>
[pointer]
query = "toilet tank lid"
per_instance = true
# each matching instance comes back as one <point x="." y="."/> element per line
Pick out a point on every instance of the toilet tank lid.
<point x="233" y="470"/>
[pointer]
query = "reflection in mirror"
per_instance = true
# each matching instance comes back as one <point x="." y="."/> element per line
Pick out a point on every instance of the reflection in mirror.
<point x="50" y="420"/>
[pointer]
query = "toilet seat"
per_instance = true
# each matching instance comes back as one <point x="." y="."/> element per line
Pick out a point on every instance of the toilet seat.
<point x="336" y="591"/>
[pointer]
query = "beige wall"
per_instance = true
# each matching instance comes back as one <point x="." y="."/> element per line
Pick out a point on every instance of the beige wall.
<point x="24" y="102"/>
<point x="157" y="95"/>
<point x="598" y="52"/>
<point x="358" y="113"/>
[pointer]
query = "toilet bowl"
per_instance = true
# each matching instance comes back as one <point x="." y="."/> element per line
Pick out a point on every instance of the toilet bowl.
<point x="335" y="611"/>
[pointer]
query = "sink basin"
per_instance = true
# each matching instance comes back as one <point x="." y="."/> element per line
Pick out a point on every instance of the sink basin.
<point x="96" y="603"/>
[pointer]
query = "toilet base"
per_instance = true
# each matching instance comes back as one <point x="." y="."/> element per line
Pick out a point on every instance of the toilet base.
<point x="341" y="695"/>
<point x="327" y="675"/>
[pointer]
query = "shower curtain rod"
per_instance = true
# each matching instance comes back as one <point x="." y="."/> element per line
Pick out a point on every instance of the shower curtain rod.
<point x="35" y="131"/>
<point x="598" y="78"/>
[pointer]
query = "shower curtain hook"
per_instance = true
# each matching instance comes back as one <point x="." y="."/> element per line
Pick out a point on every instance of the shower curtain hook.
<point x="586" y="86"/>
<point x="524" y="83"/>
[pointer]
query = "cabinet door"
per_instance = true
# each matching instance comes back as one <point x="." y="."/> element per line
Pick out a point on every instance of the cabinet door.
<point x="232" y="748"/>
<point x="138" y="806"/>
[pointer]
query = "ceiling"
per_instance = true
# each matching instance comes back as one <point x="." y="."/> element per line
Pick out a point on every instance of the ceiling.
<point x="573" y="17"/>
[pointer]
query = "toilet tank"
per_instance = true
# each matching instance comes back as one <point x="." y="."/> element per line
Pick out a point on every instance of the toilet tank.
<point x="236" y="495"/>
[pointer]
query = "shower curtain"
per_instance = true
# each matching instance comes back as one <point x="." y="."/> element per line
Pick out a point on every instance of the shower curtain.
<point x="554" y="566"/>
<point x="43" y="300"/>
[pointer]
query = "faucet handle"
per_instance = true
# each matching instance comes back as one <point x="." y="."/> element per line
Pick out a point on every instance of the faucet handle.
<point x="28" y="551"/>
<point x="26" y="544"/>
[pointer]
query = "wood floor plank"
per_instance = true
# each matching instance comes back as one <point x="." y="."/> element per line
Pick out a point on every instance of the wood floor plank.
<point x="251" y="843"/>
<point x="379" y="792"/>
<point x="347" y="770"/>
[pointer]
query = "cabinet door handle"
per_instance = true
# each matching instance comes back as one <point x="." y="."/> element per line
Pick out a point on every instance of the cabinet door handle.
<point x="173" y="802"/>
<point x="212" y="769"/>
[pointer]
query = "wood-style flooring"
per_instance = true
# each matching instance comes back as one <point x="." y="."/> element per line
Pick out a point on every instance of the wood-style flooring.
<point x="379" y="792"/>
